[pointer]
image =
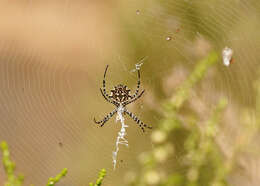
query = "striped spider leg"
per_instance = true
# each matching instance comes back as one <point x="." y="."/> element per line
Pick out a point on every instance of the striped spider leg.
<point x="138" y="121"/>
<point x="110" y="115"/>
<point x="138" y="85"/>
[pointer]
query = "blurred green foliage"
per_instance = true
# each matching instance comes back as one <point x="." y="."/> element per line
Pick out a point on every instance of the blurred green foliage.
<point x="13" y="180"/>
<point x="200" y="157"/>
<point x="53" y="181"/>
<point x="9" y="166"/>
<point x="200" y="151"/>
<point x="101" y="176"/>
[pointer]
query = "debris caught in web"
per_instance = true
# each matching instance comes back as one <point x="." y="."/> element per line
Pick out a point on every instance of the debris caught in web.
<point x="227" y="56"/>
<point x="169" y="38"/>
<point x="139" y="64"/>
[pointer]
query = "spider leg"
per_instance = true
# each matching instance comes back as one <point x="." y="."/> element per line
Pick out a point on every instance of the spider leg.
<point x="138" y="85"/>
<point x="109" y="100"/>
<point x="134" y="99"/>
<point x="104" y="93"/>
<point x="138" y="121"/>
<point x="104" y="83"/>
<point x="105" y="118"/>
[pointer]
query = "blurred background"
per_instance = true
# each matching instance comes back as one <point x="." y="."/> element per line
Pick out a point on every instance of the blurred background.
<point x="53" y="54"/>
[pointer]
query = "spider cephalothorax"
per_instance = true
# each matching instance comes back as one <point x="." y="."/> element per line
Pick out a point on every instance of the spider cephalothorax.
<point x="120" y="97"/>
<point x="120" y="93"/>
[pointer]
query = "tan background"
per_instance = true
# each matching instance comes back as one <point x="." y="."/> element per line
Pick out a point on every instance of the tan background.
<point x="53" y="55"/>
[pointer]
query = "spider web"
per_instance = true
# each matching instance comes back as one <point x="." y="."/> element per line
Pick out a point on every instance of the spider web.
<point x="52" y="59"/>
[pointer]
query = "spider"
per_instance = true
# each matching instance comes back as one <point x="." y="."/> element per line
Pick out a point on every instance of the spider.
<point x="120" y="97"/>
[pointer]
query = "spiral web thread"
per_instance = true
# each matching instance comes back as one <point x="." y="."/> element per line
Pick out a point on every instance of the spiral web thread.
<point x="33" y="81"/>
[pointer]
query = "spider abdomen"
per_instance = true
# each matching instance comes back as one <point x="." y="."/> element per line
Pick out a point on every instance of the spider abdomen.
<point x="120" y="93"/>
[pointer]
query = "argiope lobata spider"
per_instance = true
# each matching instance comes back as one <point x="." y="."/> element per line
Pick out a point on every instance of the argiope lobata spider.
<point x="120" y="97"/>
